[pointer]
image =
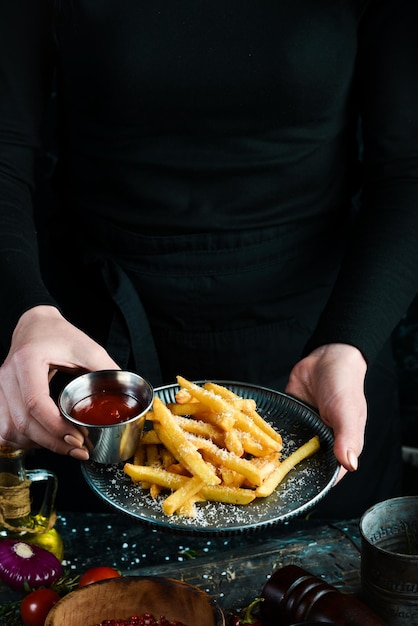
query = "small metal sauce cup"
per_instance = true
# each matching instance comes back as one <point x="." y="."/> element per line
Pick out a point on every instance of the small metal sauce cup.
<point x="114" y="443"/>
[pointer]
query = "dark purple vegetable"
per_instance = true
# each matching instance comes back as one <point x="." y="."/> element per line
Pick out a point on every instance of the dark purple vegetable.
<point x="26" y="566"/>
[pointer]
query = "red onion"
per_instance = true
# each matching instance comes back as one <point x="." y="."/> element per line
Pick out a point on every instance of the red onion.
<point x="23" y="565"/>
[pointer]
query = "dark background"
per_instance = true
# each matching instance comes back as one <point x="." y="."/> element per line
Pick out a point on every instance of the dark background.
<point x="404" y="338"/>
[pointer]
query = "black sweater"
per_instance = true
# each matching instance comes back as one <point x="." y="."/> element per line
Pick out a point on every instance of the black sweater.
<point x="195" y="116"/>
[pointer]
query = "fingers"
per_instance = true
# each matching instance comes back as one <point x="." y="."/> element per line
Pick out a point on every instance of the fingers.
<point x="348" y="426"/>
<point x="43" y="343"/>
<point x="35" y="421"/>
<point x="332" y="379"/>
<point x="342" y="472"/>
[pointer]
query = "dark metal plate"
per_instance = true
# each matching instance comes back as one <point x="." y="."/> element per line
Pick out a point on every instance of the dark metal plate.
<point x="299" y="492"/>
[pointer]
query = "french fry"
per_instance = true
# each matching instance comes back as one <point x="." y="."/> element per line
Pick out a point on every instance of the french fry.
<point x="215" y="402"/>
<point x="154" y="490"/>
<point x="229" y="495"/>
<point x="178" y="468"/>
<point x="244" y="404"/>
<point x="152" y="455"/>
<point x="210" y="445"/>
<point x="233" y="442"/>
<point x="253" y="447"/>
<point x="216" y="493"/>
<point x="223" y="458"/>
<point x="153" y="459"/>
<point x="184" y="397"/>
<point x="178" y="497"/>
<point x="150" y="437"/>
<point x="188" y="509"/>
<point x="167" y="458"/>
<point x="175" y="440"/>
<point x="247" y="424"/>
<point x="187" y="408"/>
<point x="219" y="405"/>
<point x="139" y="456"/>
<point x="276" y="477"/>
<point x="247" y="406"/>
<point x="202" y="429"/>
<point x="231" y="478"/>
<point x="266" y="464"/>
<point x="157" y="475"/>
<point x="224" y="421"/>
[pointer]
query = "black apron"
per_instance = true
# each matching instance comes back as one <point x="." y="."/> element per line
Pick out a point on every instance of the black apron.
<point x="232" y="306"/>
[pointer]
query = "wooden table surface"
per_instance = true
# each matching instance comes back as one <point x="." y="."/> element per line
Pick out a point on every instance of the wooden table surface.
<point x="232" y="569"/>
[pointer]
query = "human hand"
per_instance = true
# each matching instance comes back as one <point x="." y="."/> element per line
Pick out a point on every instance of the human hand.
<point x="43" y="343"/>
<point x="331" y="379"/>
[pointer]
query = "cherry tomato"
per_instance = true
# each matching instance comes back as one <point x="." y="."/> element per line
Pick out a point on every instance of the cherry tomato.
<point x="98" y="573"/>
<point x="36" y="605"/>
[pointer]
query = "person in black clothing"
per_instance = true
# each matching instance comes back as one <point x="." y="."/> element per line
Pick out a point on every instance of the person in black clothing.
<point x="236" y="199"/>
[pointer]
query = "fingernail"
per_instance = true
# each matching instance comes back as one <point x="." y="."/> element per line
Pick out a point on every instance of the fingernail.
<point x="352" y="460"/>
<point x="80" y="454"/>
<point x="73" y="441"/>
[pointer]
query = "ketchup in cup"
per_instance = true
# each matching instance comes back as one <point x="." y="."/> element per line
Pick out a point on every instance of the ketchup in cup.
<point x="105" y="408"/>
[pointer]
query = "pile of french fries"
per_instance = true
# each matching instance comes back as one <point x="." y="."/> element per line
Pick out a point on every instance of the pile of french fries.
<point x="210" y="444"/>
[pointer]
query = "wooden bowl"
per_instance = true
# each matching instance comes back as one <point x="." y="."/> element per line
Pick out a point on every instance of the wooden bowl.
<point x="133" y="595"/>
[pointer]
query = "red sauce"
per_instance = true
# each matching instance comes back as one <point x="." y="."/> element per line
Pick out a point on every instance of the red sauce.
<point x="104" y="408"/>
